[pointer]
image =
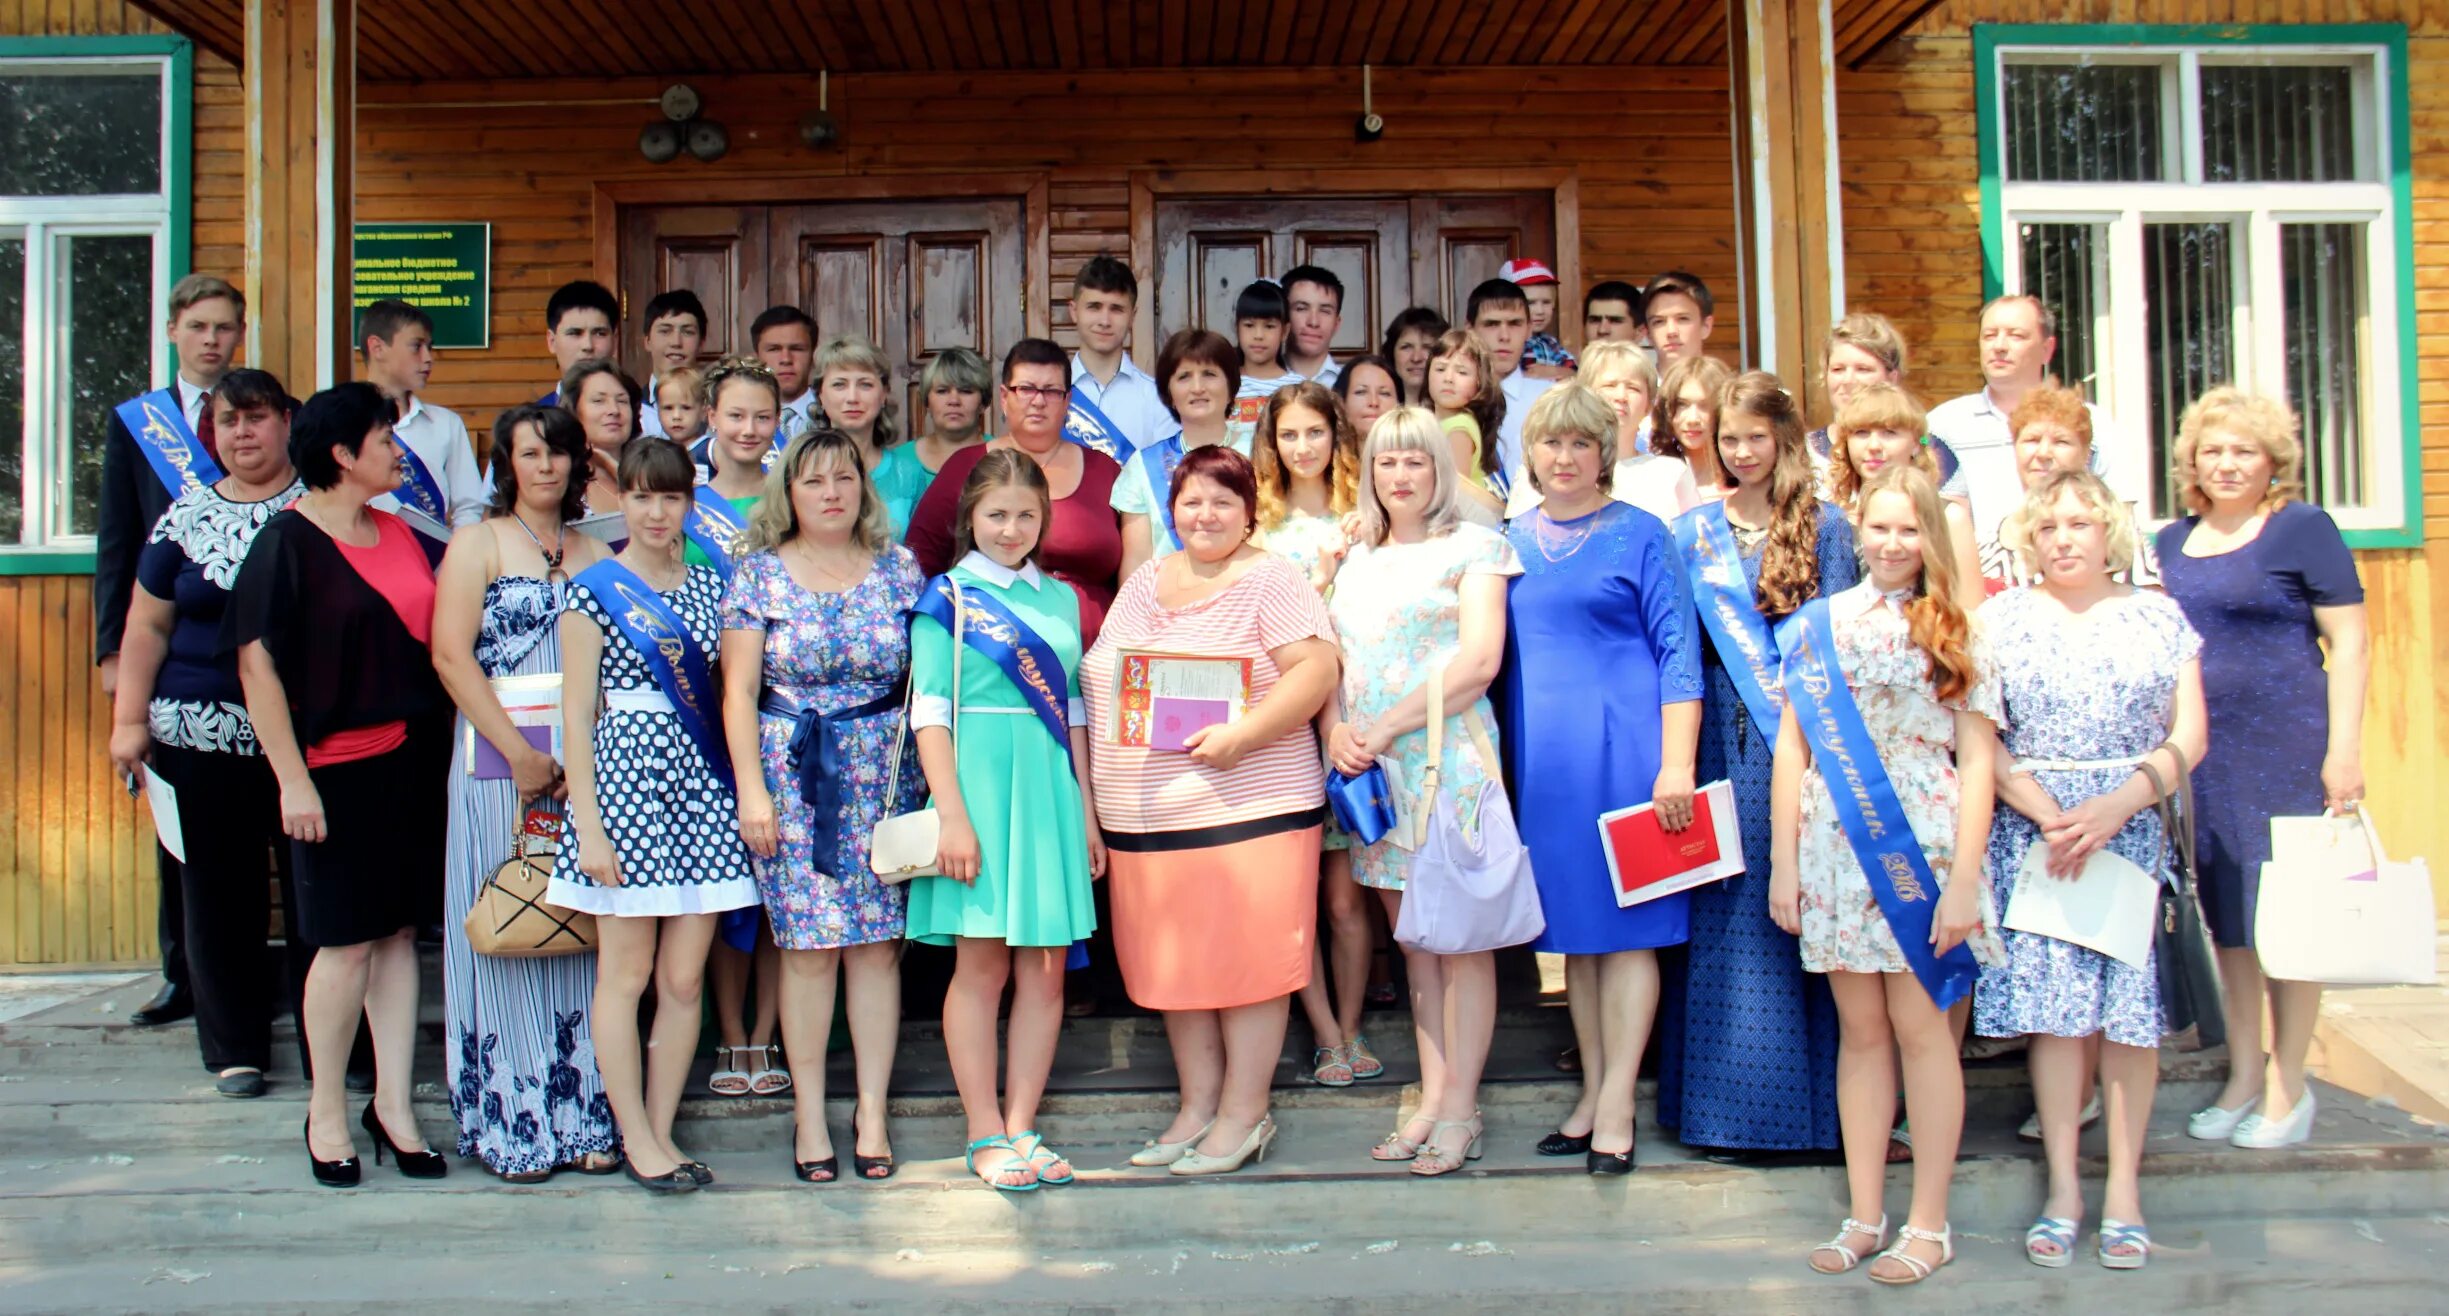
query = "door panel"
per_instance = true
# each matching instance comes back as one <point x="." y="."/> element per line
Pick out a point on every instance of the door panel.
<point x="1458" y="241"/>
<point x="718" y="252"/>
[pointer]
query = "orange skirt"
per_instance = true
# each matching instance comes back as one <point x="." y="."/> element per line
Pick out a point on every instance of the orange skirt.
<point x="1211" y="919"/>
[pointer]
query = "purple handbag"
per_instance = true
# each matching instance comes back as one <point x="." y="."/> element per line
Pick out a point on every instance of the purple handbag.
<point x="1469" y="888"/>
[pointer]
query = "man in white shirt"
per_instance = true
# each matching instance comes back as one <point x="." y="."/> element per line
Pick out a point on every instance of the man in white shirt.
<point x="675" y="329"/>
<point x="440" y="487"/>
<point x="1115" y="406"/>
<point x="1501" y="316"/>
<point x="1315" y="300"/>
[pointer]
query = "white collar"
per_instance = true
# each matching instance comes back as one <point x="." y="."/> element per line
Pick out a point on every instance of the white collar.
<point x="415" y="407"/>
<point x="997" y="574"/>
<point x="803" y="402"/>
<point x="189" y="391"/>
<point x="1129" y="369"/>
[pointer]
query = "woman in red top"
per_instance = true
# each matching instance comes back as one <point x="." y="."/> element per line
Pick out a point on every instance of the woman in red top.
<point x="332" y="618"/>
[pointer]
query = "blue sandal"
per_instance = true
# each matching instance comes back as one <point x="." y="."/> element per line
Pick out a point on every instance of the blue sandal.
<point x="2051" y="1229"/>
<point x="1040" y="1155"/>
<point x="2117" y="1233"/>
<point x="990" y="1178"/>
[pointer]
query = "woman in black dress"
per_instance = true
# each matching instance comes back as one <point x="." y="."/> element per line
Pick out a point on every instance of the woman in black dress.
<point x="331" y="619"/>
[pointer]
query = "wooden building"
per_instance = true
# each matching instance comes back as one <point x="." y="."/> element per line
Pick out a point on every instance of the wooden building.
<point x="2146" y="164"/>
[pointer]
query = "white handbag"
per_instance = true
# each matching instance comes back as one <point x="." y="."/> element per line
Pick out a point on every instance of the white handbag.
<point x="2335" y="909"/>
<point x="905" y="845"/>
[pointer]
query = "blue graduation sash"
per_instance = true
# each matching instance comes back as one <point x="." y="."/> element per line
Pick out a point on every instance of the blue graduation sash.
<point x="1730" y="613"/>
<point x="1024" y="657"/>
<point x="1163" y="457"/>
<point x="158" y="423"/>
<point x="715" y="529"/>
<point x="680" y="667"/>
<point x="1875" y="824"/>
<point x="1088" y="425"/>
<point x="419" y="489"/>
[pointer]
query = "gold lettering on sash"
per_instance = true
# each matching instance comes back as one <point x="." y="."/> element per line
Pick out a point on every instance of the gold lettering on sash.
<point x="165" y="440"/>
<point x="1034" y="684"/>
<point x="645" y="615"/>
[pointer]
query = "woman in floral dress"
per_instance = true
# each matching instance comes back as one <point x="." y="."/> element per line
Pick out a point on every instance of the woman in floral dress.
<point x="815" y="654"/>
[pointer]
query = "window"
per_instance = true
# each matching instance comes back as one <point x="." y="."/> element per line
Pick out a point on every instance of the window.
<point x="93" y="230"/>
<point x="2202" y="206"/>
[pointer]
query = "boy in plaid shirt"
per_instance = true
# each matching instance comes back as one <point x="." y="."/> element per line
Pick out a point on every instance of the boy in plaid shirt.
<point x="1543" y="354"/>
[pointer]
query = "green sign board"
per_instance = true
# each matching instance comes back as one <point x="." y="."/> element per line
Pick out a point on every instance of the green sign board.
<point x="444" y="270"/>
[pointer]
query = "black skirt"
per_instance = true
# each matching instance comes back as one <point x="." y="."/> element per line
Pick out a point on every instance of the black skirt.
<point x="379" y="868"/>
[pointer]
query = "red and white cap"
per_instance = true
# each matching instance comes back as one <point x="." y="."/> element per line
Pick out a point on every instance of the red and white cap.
<point x="1525" y="273"/>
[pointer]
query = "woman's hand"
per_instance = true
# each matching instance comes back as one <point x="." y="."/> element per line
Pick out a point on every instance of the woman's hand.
<point x="1096" y="855"/>
<point x="535" y="772"/>
<point x="956" y="850"/>
<point x="1671" y="797"/>
<point x="2342" y="781"/>
<point x="1959" y="914"/>
<point x="302" y="812"/>
<point x="1786" y="899"/>
<point x="757" y="825"/>
<point x="596" y="859"/>
<point x="1219" y="746"/>
<point x="1329" y="563"/>
<point x="2079" y="831"/>
<point x="1348" y="751"/>
<point x="131" y="746"/>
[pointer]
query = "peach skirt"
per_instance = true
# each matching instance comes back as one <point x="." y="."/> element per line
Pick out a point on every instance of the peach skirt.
<point x="1215" y="918"/>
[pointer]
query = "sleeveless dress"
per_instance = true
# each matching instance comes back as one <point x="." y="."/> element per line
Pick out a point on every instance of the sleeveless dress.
<point x="519" y="1059"/>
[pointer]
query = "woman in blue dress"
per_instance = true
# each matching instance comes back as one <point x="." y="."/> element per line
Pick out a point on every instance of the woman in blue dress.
<point x="1750" y="1040"/>
<point x="1602" y="592"/>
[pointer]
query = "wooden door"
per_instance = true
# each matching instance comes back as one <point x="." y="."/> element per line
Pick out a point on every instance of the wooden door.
<point x="1459" y="240"/>
<point x="717" y="252"/>
<point x="1209" y="248"/>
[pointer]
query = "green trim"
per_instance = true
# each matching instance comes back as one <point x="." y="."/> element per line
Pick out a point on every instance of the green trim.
<point x="2390" y="37"/>
<point x="46" y="561"/>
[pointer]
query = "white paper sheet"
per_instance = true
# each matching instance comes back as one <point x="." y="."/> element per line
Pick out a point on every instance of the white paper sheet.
<point x="164" y="799"/>
<point x="2109" y="907"/>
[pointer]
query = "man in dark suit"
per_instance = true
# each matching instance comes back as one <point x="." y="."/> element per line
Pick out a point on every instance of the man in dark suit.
<point x="208" y="317"/>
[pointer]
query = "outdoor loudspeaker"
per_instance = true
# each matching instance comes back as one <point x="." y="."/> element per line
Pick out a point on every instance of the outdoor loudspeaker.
<point x="659" y="142"/>
<point x="708" y="140"/>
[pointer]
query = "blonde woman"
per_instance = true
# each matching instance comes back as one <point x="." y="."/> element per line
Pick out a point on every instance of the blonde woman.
<point x="1656" y="483"/>
<point x="1864" y="349"/>
<point x="854" y="394"/>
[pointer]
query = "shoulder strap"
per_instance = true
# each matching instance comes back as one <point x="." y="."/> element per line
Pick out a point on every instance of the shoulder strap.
<point x="2176" y="812"/>
<point x="892" y="787"/>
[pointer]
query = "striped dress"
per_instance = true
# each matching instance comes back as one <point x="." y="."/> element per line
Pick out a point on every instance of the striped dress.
<point x="520" y="1057"/>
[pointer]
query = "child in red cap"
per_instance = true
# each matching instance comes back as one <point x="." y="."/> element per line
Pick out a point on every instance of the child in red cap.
<point x="1543" y="354"/>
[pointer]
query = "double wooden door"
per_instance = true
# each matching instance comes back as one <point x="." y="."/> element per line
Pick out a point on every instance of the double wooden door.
<point x="912" y="277"/>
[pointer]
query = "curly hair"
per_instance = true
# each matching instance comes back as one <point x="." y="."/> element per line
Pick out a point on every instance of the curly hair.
<point x="1790" y="561"/>
<point x="1486" y="406"/>
<point x="2052" y="404"/>
<point x="1934" y="619"/>
<point x="1876" y="407"/>
<point x="1275" y="479"/>
<point x="2266" y="421"/>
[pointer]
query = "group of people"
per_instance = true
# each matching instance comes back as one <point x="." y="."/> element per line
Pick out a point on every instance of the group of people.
<point x="1133" y="636"/>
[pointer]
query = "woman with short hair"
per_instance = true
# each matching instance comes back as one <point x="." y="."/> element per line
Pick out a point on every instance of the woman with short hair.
<point x="1863" y="349"/>
<point x="1623" y="375"/>
<point x="953" y="389"/>
<point x="1198" y="373"/>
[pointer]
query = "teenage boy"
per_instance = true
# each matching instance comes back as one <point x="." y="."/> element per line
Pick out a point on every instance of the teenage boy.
<point x="784" y="338"/>
<point x="1611" y="312"/>
<point x="675" y="329"/>
<point x="580" y="319"/>
<point x="1679" y="313"/>
<point x="1115" y="408"/>
<point x="440" y="487"/>
<point x="1314" y="306"/>
<point x="156" y="446"/>
<point x="1543" y="353"/>
<point x="1501" y="316"/>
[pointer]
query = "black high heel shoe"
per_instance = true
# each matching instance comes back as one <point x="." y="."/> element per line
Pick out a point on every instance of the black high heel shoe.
<point x="427" y="1164"/>
<point x="1561" y="1143"/>
<point x="342" y="1173"/>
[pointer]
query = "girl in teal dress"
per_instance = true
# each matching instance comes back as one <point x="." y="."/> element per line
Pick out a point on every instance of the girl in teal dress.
<point x="1020" y="843"/>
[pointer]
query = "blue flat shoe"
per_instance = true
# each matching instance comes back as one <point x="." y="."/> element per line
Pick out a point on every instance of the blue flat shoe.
<point x="2117" y="1233"/>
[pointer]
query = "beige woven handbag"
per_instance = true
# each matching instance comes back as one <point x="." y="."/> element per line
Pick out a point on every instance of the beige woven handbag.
<point x="905" y="845"/>
<point x="510" y="918"/>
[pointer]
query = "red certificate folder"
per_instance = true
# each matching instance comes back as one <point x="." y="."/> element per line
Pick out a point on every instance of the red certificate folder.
<point x="1646" y="861"/>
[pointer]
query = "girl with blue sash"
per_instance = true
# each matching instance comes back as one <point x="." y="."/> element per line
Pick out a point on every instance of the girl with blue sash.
<point x="1197" y="373"/>
<point x="1020" y="844"/>
<point x="1881" y="822"/>
<point x="1748" y="1041"/>
<point x="816" y="649"/>
<point x="650" y="846"/>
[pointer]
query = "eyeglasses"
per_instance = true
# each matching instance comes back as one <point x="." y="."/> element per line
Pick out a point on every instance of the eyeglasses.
<point x="1032" y="393"/>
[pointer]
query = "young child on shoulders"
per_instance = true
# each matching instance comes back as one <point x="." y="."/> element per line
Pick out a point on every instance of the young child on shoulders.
<point x="1470" y="408"/>
<point x="1544" y="355"/>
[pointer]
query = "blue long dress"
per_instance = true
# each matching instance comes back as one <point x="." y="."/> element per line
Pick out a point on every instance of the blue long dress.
<point x="1599" y="635"/>
<point x="1749" y="1040"/>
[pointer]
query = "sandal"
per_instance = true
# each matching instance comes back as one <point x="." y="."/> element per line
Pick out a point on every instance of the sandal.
<point x="770" y="1080"/>
<point x="1328" y="1067"/>
<point x="1365" y="1064"/>
<point x="595" y="1162"/>
<point x="993" y="1175"/>
<point x="1042" y="1159"/>
<point x="1900" y="1143"/>
<point x="1851" y="1227"/>
<point x="863" y="1165"/>
<point x="2117" y="1233"/>
<point x="1396" y="1147"/>
<point x="1434" y="1160"/>
<point x="2054" y="1229"/>
<point x="524" y="1176"/>
<point x="730" y="1080"/>
<point x="1916" y="1268"/>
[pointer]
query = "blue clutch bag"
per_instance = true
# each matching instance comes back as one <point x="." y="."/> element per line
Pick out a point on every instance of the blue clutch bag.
<point x="1363" y="805"/>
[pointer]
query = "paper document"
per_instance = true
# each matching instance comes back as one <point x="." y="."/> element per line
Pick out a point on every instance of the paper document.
<point x="1161" y="699"/>
<point x="2110" y="907"/>
<point x="164" y="799"/>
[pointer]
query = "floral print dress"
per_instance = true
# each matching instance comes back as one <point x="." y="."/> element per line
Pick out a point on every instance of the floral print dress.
<point x="1398" y="610"/>
<point x="1844" y="930"/>
<point x="830" y="652"/>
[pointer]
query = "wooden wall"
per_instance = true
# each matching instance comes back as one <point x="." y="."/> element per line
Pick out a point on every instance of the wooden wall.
<point x="1913" y="251"/>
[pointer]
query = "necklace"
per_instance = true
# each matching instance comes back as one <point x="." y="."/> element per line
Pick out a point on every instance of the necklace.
<point x="1559" y="540"/>
<point x="846" y="579"/>
<point x="552" y="556"/>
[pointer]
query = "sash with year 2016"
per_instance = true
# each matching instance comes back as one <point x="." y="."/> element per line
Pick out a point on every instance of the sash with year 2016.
<point x="1730" y="612"/>
<point x="716" y="529"/>
<point x="158" y="423"/>
<point x="680" y="668"/>
<point x="1865" y="801"/>
<point x="994" y="631"/>
<point x="1087" y="425"/>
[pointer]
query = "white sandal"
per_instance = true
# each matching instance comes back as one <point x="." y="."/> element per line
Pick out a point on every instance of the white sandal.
<point x="770" y="1079"/>
<point x="1838" y="1245"/>
<point x="731" y="1080"/>
<point x="1907" y="1235"/>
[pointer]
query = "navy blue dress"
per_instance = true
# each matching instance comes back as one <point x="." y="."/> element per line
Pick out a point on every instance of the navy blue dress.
<point x="1748" y="1056"/>
<point x="1599" y="635"/>
<point x="2264" y="689"/>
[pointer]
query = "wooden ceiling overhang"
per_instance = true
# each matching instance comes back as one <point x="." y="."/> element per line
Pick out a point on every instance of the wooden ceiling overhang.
<point x="408" y="41"/>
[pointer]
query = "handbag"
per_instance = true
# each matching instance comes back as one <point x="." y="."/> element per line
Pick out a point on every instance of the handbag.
<point x="2334" y="908"/>
<point x="1364" y="805"/>
<point x="2190" y="998"/>
<point x="1470" y="886"/>
<point x="905" y="845"/>
<point x="510" y="918"/>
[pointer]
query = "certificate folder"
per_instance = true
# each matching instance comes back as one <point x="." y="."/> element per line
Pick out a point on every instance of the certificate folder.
<point x="1645" y="861"/>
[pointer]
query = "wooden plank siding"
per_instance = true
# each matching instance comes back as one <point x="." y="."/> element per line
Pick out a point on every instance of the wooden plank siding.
<point x="1911" y="192"/>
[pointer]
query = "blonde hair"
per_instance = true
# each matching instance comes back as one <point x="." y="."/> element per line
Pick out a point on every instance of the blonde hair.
<point x="851" y="352"/>
<point x="1573" y="407"/>
<point x="1933" y="617"/>
<point x="1612" y="354"/>
<point x="773" y="521"/>
<point x="2265" y="420"/>
<point x="1275" y="479"/>
<point x="1876" y="407"/>
<point x="2015" y="533"/>
<point x="1873" y="334"/>
<point x="686" y="381"/>
<point x="1408" y="429"/>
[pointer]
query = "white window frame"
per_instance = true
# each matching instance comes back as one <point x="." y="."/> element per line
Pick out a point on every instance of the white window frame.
<point x="47" y="225"/>
<point x="2255" y="210"/>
